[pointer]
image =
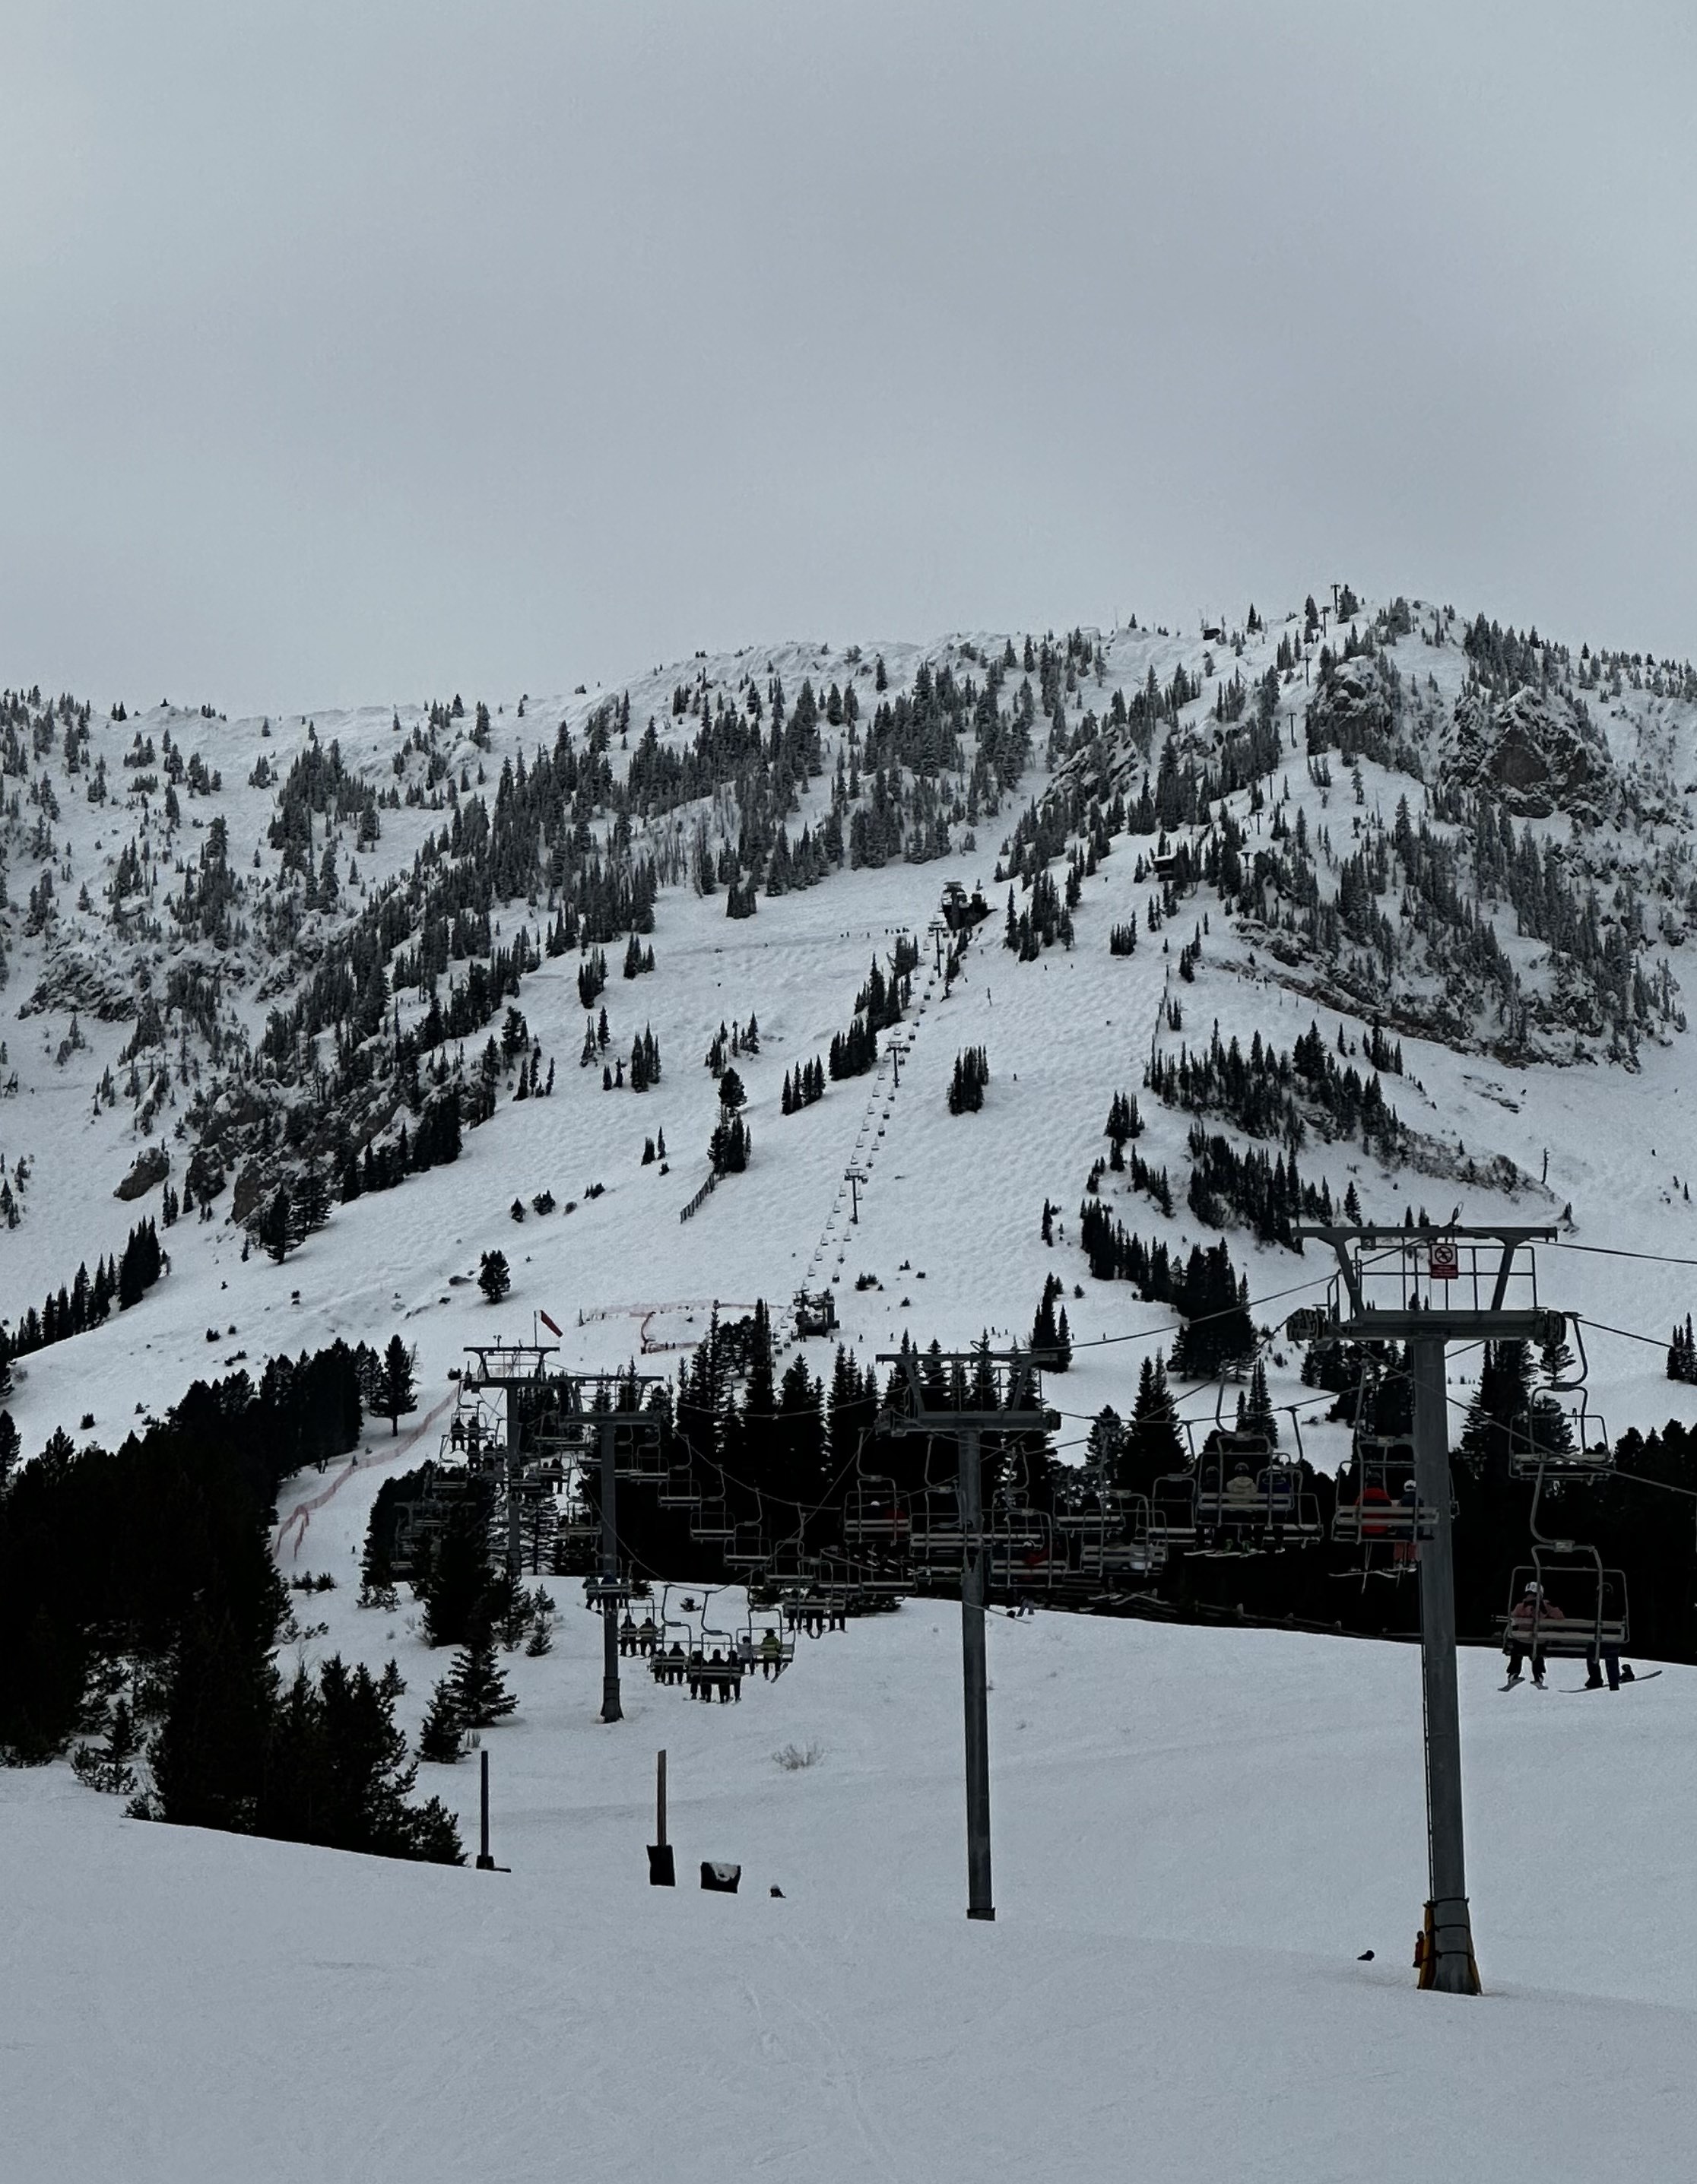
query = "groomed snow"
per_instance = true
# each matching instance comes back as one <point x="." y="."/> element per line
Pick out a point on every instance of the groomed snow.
<point x="1196" y="1834"/>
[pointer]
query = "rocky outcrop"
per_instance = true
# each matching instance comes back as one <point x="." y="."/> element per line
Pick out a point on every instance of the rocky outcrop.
<point x="151" y="1169"/>
<point x="1350" y="710"/>
<point x="83" y="979"/>
<point x="1536" y="754"/>
<point x="205" y="1175"/>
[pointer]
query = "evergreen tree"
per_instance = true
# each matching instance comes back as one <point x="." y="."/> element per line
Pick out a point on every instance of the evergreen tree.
<point x="276" y="1230"/>
<point x="376" y="1570"/>
<point x="1257" y="1410"/>
<point x="109" y="1767"/>
<point x="442" y="1739"/>
<point x="209" y="1758"/>
<point x="1154" y="1444"/>
<point x="455" y="1586"/>
<point x="396" y="1386"/>
<point x="337" y="1771"/>
<point x="1497" y="1416"/>
<point x="494" y="1279"/>
<point x="479" y="1682"/>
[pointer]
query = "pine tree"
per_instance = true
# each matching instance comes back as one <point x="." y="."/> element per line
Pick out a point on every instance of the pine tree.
<point x="1154" y="1444"/>
<point x="1258" y="1415"/>
<point x="442" y="1739"/>
<point x="275" y="1231"/>
<point x="455" y="1587"/>
<point x="396" y="1386"/>
<point x="479" y="1682"/>
<point x="107" y="1767"/>
<point x="494" y="1279"/>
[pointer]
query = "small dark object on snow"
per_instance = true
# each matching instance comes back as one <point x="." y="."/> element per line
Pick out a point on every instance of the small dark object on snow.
<point x="1365" y="1956"/>
<point x="776" y="1890"/>
<point x="720" y="1878"/>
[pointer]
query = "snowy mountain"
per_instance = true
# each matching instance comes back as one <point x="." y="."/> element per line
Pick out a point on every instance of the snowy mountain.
<point x="675" y="997"/>
<point x="251" y="955"/>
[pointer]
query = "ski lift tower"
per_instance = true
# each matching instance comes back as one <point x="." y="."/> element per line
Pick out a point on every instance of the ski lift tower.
<point x="1428" y="1287"/>
<point x="602" y="1416"/>
<point x="519" y="1369"/>
<point x="932" y="1410"/>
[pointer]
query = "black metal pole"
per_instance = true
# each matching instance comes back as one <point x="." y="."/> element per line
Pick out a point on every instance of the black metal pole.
<point x="612" y="1710"/>
<point x="1450" y="1966"/>
<point x="515" y="1499"/>
<point x="485" y="1863"/>
<point x="980" y="1903"/>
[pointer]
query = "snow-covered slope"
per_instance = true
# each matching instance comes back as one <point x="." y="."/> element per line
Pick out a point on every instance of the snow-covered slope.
<point x="949" y="1217"/>
<point x="1197" y="1834"/>
<point x="1197" y="1831"/>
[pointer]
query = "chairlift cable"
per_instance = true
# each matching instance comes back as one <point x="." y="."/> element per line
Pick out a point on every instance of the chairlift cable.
<point x="1614" y="1251"/>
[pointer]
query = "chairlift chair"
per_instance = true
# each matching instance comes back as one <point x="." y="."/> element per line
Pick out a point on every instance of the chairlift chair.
<point x="1173" y="1509"/>
<point x="771" y="1649"/>
<point x="678" y="1489"/>
<point x="710" y="1524"/>
<point x="936" y="1537"/>
<point x="790" y="1567"/>
<point x="1565" y="1604"/>
<point x="873" y="1510"/>
<point x="1552" y="1437"/>
<point x="746" y="1548"/>
<point x="1378" y="1502"/>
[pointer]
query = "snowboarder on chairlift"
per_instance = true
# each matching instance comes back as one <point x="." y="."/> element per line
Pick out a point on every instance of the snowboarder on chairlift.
<point x="1607" y="1655"/>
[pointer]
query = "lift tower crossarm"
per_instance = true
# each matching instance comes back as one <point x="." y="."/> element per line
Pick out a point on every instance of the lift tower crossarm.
<point x="1416" y="1320"/>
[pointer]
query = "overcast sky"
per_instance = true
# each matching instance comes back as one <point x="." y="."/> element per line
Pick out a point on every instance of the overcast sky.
<point x="364" y="351"/>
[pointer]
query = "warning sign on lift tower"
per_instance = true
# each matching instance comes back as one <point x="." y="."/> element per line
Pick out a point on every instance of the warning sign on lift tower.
<point x="1442" y="1261"/>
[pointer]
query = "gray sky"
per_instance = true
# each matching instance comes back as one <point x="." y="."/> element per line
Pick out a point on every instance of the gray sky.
<point x="364" y="351"/>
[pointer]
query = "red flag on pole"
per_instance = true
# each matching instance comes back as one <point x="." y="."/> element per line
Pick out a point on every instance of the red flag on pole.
<point x="551" y="1325"/>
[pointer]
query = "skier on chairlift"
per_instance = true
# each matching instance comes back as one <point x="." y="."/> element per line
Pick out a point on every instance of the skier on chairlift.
<point x="1532" y="1612"/>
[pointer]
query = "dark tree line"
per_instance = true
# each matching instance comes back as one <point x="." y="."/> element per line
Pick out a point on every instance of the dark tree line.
<point x="86" y="1301"/>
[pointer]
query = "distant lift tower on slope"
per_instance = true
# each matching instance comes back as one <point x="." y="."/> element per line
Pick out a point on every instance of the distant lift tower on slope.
<point x="1429" y="1287"/>
<point x="604" y="1419"/>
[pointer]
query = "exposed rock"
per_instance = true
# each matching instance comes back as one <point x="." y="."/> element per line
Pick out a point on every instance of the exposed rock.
<point x="250" y="1188"/>
<point x="86" y="979"/>
<point x="151" y="1169"/>
<point x="1351" y="710"/>
<point x="1536" y="754"/>
<point x="205" y="1174"/>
